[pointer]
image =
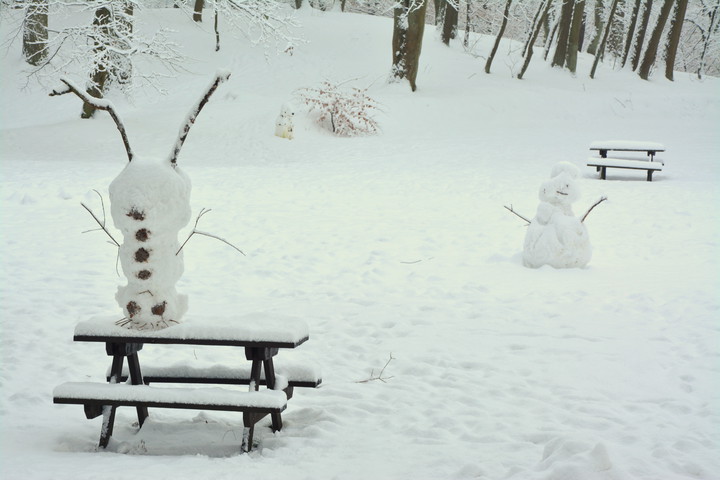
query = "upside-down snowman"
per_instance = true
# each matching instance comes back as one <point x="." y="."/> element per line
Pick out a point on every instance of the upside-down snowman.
<point x="555" y="236"/>
<point x="284" y="123"/>
<point x="150" y="204"/>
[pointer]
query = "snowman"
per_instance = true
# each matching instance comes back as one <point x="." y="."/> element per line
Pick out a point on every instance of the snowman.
<point x="555" y="236"/>
<point x="284" y="123"/>
<point x="150" y="204"/>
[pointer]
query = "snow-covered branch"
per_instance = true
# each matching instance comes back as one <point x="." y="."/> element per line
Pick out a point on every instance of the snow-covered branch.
<point x="220" y="77"/>
<point x="100" y="104"/>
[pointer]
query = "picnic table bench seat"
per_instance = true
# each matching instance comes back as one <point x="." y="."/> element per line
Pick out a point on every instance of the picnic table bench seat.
<point x="602" y="164"/>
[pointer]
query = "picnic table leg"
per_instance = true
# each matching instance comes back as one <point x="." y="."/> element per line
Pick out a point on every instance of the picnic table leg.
<point x="270" y="380"/>
<point x="649" y="176"/>
<point x="136" y="379"/>
<point x="602" y="172"/>
<point x="108" y="411"/>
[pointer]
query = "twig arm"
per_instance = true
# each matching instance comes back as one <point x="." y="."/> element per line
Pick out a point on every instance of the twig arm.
<point x="602" y="199"/>
<point x="220" y="77"/>
<point x="100" y="104"/>
<point x="510" y="208"/>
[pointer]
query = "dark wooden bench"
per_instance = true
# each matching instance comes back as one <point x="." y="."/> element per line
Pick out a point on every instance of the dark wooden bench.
<point x="602" y="163"/>
<point x="261" y="338"/>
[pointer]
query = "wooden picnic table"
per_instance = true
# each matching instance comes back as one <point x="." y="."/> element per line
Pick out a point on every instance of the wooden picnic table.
<point x="261" y="336"/>
<point x="604" y="147"/>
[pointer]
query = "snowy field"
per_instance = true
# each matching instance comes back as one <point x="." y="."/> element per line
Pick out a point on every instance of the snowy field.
<point x="397" y="251"/>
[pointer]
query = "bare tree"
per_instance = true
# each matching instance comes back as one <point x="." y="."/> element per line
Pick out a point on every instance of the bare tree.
<point x="198" y="10"/>
<point x="449" y="21"/>
<point x="673" y="41"/>
<point x="506" y="15"/>
<point x="631" y="31"/>
<point x="640" y="35"/>
<point x="575" y="38"/>
<point x="535" y="32"/>
<point x="408" y="29"/>
<point x="35" y="32"/>
<point x="566" y="12"/>
<point x="654" y="42"/>
<point x="598" y="23"/>
<point x="601" y="48"/>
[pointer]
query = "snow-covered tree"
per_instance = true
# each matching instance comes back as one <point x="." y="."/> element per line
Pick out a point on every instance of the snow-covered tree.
<point x="408" y="29"/>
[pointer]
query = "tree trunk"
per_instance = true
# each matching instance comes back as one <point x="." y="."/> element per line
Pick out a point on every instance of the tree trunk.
<point x="450" y="23"/>
<point x="617" y="31"/>
<point x="35" y="32"/>
<point x="540" y="9"/>
<point x="640" y="36"/>
<point x="574" y="38"/>
<point x="564" y="32"/>
<point x="408" y="29"/>
<point x="598" y="21"/>
<point x="99" y="76"/>
<point x="674" y="37"/>
<point x="466" y="39"/>
<point x="631" y="31"/>
<point x="536" y="32"/>
<point x="197" y="11"/>
<point x="506" y="14"/>
<point x="706" y="36"/>
<point x="606" y="33"/>
<point x="654" y="42"/>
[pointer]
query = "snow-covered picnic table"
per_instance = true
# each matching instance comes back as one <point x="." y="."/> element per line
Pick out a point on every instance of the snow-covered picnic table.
<point x="262" y="336"/>
<point x="602" y="163"/>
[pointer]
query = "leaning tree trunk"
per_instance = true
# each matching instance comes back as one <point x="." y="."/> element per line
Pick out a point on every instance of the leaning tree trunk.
<point x="706" y="37"/>
<point x="408" y="29"/>
<point x="654" y="42"/>
<point x="506" y="14"/>
<point x="536" y="32"/>
<point x="574" y="39"/>
<point x="674" y="37"/>
<point x="35" y="32"/>
<point x="532" y="27"/>
<point x="450" y="22"/>
<point x="631" y="31"/>
<point x="640" y="36"/>
<point x="601" y="48"/>
<point x="564" y="32"/>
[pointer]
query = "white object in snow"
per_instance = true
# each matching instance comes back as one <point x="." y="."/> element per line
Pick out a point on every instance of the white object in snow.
<point x="284" y="123"/>
<point x="555" y="236"/>
<point x="150" y="203"/>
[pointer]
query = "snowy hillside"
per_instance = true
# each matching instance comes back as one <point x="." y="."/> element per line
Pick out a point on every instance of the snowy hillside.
<point x="397" y="251"/>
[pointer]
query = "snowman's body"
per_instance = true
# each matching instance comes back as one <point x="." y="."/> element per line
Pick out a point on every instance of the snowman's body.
<point x="555" y="236"/>
<point x="284" y="123"/>
<point x="150" y="203"/>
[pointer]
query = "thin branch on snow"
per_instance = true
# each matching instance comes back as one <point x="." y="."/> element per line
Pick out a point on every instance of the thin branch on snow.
<point x="196" y="231"/>
<point x="379" y="376"/>
<point x="602" y="199"/>
<point x="220" y="77"/>
<point x="100" y="104"/>
<point x="510" y="208"/>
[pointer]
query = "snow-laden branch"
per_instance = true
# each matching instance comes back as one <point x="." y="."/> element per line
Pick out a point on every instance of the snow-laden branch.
<point x="100" y="104"/>
<point x="220" y="77"/>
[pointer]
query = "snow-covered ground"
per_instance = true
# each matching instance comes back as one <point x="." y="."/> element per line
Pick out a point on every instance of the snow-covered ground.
<point x="397" y="251"/>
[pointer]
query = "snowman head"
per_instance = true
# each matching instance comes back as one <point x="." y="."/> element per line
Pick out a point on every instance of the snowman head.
<point x="561" y="189"/>
<point x="286" y="111"/>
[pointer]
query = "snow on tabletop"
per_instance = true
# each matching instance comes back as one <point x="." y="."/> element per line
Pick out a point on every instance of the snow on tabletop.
<point x="143" y="393"/>
<point x="626" y="144"/>
<point x="256" y="327"/>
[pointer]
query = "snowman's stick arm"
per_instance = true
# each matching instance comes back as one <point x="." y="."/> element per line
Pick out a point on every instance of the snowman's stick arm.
<point x="220" y="77"/>
<point x="602" y="199"/>
<point x="513" y="211"/>
<point x="100" y="104"/>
